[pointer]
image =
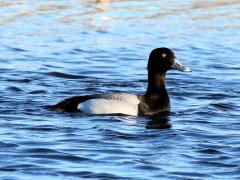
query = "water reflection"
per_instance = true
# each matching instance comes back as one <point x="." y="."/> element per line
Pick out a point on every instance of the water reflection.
<point x="103" y="1"/>
<point x="159" y="122"/>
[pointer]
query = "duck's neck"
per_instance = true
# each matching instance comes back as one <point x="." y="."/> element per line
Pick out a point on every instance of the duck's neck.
<point x="156" y="85"/>
<point x="156" y="98"/>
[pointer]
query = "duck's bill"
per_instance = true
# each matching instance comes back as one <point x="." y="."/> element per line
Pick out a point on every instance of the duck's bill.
<point x="179" y="66"/>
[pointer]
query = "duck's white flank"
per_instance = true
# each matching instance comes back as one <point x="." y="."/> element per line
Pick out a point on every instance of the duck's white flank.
<point x="113" y="104"/>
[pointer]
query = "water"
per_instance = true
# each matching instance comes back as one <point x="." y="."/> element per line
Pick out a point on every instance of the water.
<point x="51" y="50"/>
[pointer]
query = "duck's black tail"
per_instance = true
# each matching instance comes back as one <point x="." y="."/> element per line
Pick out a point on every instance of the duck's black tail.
<point x="68" y="105"/>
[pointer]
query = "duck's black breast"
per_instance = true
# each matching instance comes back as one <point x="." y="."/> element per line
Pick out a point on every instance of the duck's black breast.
<point x="153" y="104"/>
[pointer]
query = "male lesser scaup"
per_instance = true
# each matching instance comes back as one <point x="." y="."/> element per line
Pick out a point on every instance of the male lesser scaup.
<point x="154" y="101"/>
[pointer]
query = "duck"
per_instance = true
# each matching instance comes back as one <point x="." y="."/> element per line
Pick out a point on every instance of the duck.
<point x="155" y="100"/>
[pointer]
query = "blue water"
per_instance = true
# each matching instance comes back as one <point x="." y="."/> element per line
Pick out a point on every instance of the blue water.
<point x="51" y="50"/>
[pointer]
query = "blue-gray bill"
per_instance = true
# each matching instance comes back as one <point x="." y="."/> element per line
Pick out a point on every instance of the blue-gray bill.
<point x="179" y="66"/>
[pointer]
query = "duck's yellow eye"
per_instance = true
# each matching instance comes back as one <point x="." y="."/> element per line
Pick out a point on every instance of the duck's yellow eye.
<point x="164" y="55"/>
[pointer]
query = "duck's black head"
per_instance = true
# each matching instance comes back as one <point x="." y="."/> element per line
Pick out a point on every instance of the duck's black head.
<point x="163" y="59"/>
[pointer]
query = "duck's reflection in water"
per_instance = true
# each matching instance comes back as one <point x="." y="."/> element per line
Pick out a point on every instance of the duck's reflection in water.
<point x="160" y="121"/>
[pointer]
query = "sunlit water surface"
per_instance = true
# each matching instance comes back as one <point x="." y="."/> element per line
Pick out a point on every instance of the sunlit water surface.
<point x="51" y="50"/>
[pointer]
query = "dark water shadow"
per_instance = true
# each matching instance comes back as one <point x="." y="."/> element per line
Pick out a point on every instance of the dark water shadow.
<point x="159" y="121"/>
